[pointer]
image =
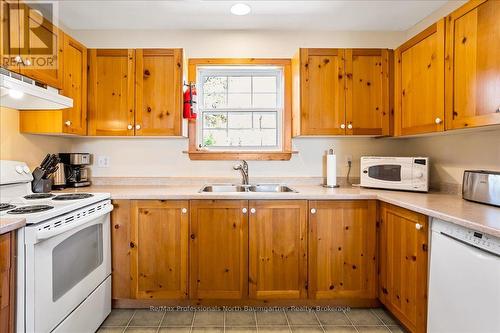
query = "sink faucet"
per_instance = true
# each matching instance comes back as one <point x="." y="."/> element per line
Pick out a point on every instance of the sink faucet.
<point x="243" y="167"/>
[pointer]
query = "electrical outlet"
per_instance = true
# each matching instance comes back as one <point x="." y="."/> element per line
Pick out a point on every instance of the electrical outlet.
<point x="103" y="161"/>
<point x="348" y="159"/>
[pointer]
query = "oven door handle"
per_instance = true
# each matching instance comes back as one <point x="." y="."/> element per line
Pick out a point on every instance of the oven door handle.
<point x="45" y="234"/>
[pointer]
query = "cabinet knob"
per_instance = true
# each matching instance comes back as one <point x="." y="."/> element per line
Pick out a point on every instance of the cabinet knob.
<point x="349" y="126"/>
<point x="313" y="210"/>
<point x="129" y="127"/>
<point x="27" y="62"/>
<point x="438" y="120"/>
<point x="137" y="127"/>
<point x="184" y="210"/>
<point x="244" y="210"/>
<point x="67" y="123"/>
<point x="252" y="210"/>
<point x="342" y="126"/>
<point x="18" y="59"/>
<point x="418" y="226"/>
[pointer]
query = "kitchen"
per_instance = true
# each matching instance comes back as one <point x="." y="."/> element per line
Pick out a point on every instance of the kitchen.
<point x="183" y="221"/>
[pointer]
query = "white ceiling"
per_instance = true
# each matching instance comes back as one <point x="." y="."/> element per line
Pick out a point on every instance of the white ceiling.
<point x="354" y="15"/>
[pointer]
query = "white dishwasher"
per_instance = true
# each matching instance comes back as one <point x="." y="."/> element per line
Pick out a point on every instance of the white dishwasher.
<point x="464" y="281"/>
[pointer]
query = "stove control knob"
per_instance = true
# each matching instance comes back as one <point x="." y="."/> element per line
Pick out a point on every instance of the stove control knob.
<point x="26" y="169"/>
<point x="19" y="169"/>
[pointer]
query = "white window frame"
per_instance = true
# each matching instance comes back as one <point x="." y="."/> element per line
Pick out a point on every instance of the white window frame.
<point x="241" y="70"/>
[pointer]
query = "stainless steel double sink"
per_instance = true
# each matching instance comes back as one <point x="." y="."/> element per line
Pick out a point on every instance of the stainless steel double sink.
<point x="232" y="188"/>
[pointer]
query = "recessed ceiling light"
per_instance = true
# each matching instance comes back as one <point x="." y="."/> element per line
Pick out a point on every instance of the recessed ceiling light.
<point x="240" y="9"/>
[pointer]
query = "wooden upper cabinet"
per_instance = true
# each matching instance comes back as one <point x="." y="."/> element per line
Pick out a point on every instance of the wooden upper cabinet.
<point x="367" y="91"/>
<point x="111" y="92"/>
<point x="403" y="238"/>
<point x="41" y="48"/>
<point x="218" y="249"/>
<point x="318" y="98"/>
<point x="75" y="86"/>
<point x="158" y="92"/>
<point x="342" y="250"/>
<point x="419" y="83"/>
<point x="473" y="65"/>
<point x="159" y="249"/>
<point x="278" y="249"/>
<point x="9" y="39"/>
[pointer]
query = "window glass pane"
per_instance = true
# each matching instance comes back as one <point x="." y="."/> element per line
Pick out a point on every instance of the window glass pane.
<point x="264" y="101"/>
<point x="252" y="137"/>
<point x="215" y="138"/>
<point x="215" y="84"/>
<point x="214" y="101"/>
<point x="264" y="120"/>
<point x="215" y="120"/>
<point x="240" y="120"/>
<point x="240" y="84"/>
<point x="269" y="137"/>
<point x="239" y="101"/>
<point x="264" y="84"/>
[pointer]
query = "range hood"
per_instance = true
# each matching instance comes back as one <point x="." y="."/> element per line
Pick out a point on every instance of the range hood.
<point x="22" y="93"/>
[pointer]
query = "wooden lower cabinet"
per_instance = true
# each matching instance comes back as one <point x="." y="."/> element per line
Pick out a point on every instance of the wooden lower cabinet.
<point x="278" y="249"/>
<point x="7" y="281"/>
<point x="342" y="249"/>
<point x="403" y="262"/>
<point x="149" y="249"/>
<point x="218" y="249"/>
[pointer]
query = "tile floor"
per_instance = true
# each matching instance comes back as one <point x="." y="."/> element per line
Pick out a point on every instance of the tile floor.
<point x="146" y="321"/>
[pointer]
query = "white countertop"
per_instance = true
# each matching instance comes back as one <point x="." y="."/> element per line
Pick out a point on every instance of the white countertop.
<point x="448" y="207"/>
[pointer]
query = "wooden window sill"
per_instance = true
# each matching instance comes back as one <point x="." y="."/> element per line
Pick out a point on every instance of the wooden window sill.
<point x="199" y="155"/>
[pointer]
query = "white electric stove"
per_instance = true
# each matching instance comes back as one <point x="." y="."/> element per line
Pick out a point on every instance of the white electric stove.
<point x="64" y="254"/>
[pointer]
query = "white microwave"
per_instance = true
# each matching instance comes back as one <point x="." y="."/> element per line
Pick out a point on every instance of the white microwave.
<point x="395" y="173"/>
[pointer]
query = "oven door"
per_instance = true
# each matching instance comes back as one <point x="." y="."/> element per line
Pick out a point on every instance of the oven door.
<point x="63" y="268"/>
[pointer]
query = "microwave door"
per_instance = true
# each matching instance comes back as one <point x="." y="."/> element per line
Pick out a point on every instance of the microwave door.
<point x="385" y="172"/>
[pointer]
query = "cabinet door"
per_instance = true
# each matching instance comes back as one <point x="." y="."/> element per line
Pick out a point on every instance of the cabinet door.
<point x="120" y="249"/>
<point x="278" y="249"/>
<point x="111" y="92"/>
<point x="219" y="249"/>
<point x="342" y="249"/>
<point x="367" y="91"/>
<point x="42" y="49"/>
<point x="322" y="98"/>
<point x="419" y="83"/>
<point x="159" y="233"/>
<point x="403" y="265"/>
<point x="7" y="281"/>
<point x="473" y="65"/>
<point x="75" y="86"/>
<point x="9" y="39"/>
<point x="158" y="92"/>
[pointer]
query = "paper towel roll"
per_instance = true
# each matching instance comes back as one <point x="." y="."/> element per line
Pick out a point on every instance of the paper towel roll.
<point x="331" y="170"/>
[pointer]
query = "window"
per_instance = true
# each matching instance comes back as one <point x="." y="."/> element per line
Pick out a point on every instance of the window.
<point x="244" y="109"/>
<point x="240" y="108"/>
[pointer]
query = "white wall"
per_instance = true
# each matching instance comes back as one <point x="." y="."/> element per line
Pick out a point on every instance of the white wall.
<point x="163" y="157"/>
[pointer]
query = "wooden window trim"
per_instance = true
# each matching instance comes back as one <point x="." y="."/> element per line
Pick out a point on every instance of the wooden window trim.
<point x="286" y="153"/>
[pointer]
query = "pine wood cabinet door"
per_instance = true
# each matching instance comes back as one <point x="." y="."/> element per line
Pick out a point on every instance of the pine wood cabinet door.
<point x="219" y="249"/>
<point x="419" y="83"/>
<point x="319" y="109"/>
<point x="403" y="238"/>
<point x="342" y="249"/>
<point x="111" y="92"/>
<point x="159" y="249"/>
<point x="75" y="86"/>
<point x="41" y="48"/>
<point x="473" y="65"/>
<point x="159" y="92"/>
<point x="367" y="92"/>
<point x="7" y="281"/>
<point x="9" y="38"/>
<point x="120" y="249"/>
<point x="278" y="249"/>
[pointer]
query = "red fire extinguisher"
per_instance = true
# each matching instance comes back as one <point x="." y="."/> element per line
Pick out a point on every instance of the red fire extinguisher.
<point x="189" y="101"/>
